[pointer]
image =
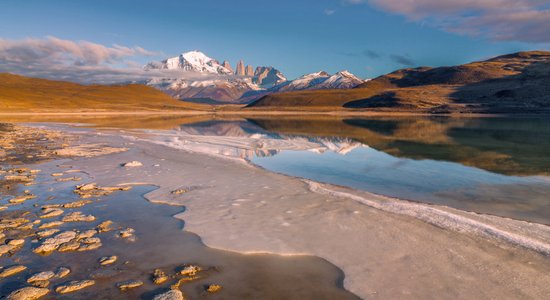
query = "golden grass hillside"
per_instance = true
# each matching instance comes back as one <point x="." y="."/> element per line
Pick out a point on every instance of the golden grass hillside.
<point x="514" y="83"/>
<point x="24" y="94"/>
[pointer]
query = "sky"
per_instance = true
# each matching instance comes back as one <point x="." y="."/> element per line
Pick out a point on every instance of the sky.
<point x="105" y="41"/>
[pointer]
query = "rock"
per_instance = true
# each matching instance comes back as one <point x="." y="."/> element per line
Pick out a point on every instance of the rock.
<point x="129" y="284"/>
<point x="21" y="199"/>
<point x="78" y="216"/>
<point x="126" y="233"/>
<point x="170" y="295"/>
<point x="5" y="249"/>
<point x="69" y="246"/>
<point x="62" y="272"/>
<point x="179" y="191"/>
<point x="88" y="247"/>
<point x="41" y="283"/>
<point x="74" y="178"/>
<point x="3" y="207"/>
<point x="159" y="276"/>
<point x="28" y="293"/>
<point x="86" y="234"/>
<point x="107" y="260"/>
<point x="104" y="226"/>
<point x="8" y="223"/>
<point x="86" y="187"/>
<point x="46" y="275"/>
<point x="133" y="163"/>
<point x="10" y="271"/>
<point x="51" y="212"/>
<point x="51" y="244"/>
<point x="16" y="242"/>
<point x="57" y="174"/>
<point x="73" y="286"/>
<point x="50" y="224"/>
<point x="77" y="204"/>
<point x="190" y="270"/>
<point x="47" y="232"/>
<point x="213" y="288"/>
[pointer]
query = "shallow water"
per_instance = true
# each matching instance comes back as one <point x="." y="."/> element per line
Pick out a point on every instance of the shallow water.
<point x="497" y="166"/>
<point x="161" y="243"/>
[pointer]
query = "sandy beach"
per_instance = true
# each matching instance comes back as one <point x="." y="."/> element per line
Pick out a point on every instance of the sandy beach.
<point x="386" y="248"/>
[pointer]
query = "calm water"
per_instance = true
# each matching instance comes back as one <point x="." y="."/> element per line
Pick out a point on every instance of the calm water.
<point x="498" y="166"/>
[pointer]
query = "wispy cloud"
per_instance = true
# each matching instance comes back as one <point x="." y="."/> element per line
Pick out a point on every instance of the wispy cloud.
<point x="402" y="60"/>
<point x="329" y="12"/>
<point x="80" y="61"/>
<point x="513" y="20"/>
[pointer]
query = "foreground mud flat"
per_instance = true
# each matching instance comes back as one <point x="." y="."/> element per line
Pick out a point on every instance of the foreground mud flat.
<point x="387" y="248"/>
<point x="64" y="236"/>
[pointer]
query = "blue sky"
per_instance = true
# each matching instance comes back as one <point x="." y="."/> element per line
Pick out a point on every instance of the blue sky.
<point x="368" y="38"/>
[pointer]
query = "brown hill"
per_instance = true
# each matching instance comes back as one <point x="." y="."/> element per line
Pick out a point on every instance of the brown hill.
<point x="517" y="82"/>
<point x="24" y="94"/>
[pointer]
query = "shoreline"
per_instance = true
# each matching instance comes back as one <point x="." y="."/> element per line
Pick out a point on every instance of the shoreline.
<point x="229" y="112"/>
<point x="223" y="228"/>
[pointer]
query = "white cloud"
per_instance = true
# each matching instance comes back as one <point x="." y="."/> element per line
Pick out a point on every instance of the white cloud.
<point x="525" y="20"/>
<point x="329" y="12"/>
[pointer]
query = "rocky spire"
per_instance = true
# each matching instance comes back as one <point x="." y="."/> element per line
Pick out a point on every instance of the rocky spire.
<point x="249" y="71"/>
<point x="240" y="68"/>
<point x="227" y="65"/>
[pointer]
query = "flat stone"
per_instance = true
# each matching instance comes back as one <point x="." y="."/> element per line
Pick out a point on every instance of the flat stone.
<point x="129" y="284"/>
<point x="88" y="247"/>
<point x="86" y="234"/>
<point x="213" y="288"/>
<point x="47" y="232"/>
<point x="107" y="260"/>
<point x="41" y="283"/>
<point x="77" y="204"/>
<point x="133" y="163"/>
<point x="46" y="275"/>
<point x="90" y="240"/>
<point x="159" y="277"/>
<point x="62" y="272"/>
<point x="10" y="271"/>
<point x="126" y="233"/>
<point x="73" y="286"/>
<point x="69" y="246"/>
<point x="78" y="216"/>
<point x="16" y="242"/>
<point x="28" y="293"/>
<point x="52" y="243"/>
<point x="170" y="295"/>
<point x="190" y="270"/>
<point x="51" y="224"/>
<point x="5" y="249"/>
<point x="21" y="198"/>
<point x="105" y="226"/>
<point x="51" y="212"/>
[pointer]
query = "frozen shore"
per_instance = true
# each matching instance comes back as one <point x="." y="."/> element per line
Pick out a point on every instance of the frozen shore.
<point x="383" y="253"/>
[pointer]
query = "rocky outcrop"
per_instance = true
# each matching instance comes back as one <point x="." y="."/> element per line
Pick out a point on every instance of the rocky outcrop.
<point x="227" y="65"/>
<point x="249" y="71"/>
<point x="240" y="71"/>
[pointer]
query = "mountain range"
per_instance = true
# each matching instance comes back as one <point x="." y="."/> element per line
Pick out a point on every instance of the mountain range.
<point x="195" y="77"/>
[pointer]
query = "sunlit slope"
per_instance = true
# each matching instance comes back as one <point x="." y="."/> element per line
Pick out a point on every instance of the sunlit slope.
<point x="514" y="83"/>
<point x="23" y="94"/>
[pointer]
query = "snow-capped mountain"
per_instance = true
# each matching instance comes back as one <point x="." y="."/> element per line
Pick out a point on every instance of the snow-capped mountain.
<point x="320" y="80"/>
<point x="205" y="78"/>
<point x="192" y="61"/>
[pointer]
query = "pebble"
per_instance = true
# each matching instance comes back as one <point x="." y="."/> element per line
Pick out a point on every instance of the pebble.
<point x="190" y="270"/>
<point x="159" y="276"/>
<point x="133" y="163"/>
<point x="51" y="212"/>
<point x="28" y="293"/>
<point x="73" y="286"/>
<point x="104" y="226"/>
<point x="62" y="272"/>
<point x="213" y="288"/>
<point x="107" y="260"/>
<point x="129" y="284"/>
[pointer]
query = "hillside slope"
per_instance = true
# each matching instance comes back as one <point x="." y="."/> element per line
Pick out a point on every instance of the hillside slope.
<point x="518" y="82"/>
<point x="24" y="94"/>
